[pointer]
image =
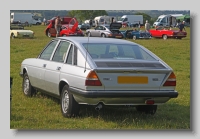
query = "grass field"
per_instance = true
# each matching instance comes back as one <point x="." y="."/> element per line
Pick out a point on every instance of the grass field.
<point x="43" y="112"/>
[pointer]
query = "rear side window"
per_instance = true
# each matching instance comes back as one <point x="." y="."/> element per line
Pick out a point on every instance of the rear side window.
<point x="61" y="51"/>
<point x="47" y="52"/>
<point x="117" y="51"/>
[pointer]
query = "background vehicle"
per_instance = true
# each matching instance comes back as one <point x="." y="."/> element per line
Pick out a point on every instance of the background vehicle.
<point x="88" y="22"/>
<point x="167" y="20"/>
<point x="84" y="26"/>
<point x="24" y="18"/>
<point x="133" y="20"/>
<point x="18" y="31"/>
<point x="108" y="30"/>
<point x="103" y="71"/>
<point x="163" y="32"/>
<point x="103" y="19"/>
<point x="69" y="28"/>
<point x="136" y="34"/>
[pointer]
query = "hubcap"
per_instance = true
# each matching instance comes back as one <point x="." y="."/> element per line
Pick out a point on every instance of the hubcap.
<point x="26" y="86"/>
<point x="65" y="102"/>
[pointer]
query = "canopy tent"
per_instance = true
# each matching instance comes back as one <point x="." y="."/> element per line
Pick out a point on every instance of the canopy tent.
<point x="184" y="18"/>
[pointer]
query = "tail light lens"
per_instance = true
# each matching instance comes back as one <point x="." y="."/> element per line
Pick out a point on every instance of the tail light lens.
<point x="92" y="79"/>
<point x="171" y="81"/>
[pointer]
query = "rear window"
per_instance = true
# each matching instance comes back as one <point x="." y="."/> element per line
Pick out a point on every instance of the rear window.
<point x="117" y="51"/>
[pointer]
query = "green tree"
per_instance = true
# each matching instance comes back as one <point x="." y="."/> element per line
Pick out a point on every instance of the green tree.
<point x="86" y="14"/>
<point x="145" y="17"/>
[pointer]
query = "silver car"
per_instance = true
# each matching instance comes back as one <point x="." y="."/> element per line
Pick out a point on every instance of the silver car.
<point x="99" y="71"/>
<point x="107" y="30"/>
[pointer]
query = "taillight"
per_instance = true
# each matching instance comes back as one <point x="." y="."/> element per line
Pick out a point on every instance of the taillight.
<point x="171" y="81"/>
<point x="92" y="79"/>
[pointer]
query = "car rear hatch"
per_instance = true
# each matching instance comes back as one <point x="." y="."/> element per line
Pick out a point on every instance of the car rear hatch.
<point x="115" y="26"/>
<point x="132" y="75"/>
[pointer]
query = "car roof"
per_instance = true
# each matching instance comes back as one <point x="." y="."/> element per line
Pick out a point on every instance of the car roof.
<point x="96" y="40"/>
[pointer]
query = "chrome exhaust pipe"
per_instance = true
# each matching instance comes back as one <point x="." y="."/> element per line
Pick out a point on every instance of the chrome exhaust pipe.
<point x="98" y="107"/>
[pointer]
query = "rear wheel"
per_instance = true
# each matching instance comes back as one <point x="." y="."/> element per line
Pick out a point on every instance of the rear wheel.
<point x="147" y="109"/>
<point x="134" y="37"/>
<point x="164" y="37"/>
<point x="89" y="34"/>
<point x="69" y="106"/>
<point x="28" y="90"/>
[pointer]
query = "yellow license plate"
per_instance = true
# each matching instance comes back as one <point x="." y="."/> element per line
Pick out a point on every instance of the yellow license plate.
<point x="132" y="80"/>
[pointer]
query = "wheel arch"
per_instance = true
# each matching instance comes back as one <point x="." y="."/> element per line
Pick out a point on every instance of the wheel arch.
<point x="61" y="85"/>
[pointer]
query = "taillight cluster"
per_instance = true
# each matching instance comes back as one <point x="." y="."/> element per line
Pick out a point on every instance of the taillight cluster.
<point x="92" y="79"/>
<point x="171" y="81"/>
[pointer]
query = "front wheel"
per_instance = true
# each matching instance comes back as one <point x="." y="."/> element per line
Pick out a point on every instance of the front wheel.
<point x="103" y="35"/>
<point x="48" y="34"/>
<point x="69" y="106"/>
<point x="164" y="37"/>
<point x="28" y="90"/>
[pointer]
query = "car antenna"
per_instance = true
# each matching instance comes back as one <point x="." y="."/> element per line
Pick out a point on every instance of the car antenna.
<point x="86" y="53"/>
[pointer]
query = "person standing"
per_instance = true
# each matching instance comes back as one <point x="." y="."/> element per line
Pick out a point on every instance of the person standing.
<point x="147" y="26"/>
<point x="44" y="21"/>
<point x="58" y="26"/>
<point x="182" y="26"/>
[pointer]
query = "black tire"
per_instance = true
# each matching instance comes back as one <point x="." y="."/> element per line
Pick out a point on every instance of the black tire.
<point x="89" y="34"/>
<point x="49" y="34"/>
<point x="164" y="37"/>
<point x="147" y="109"/>
<point x="28" y="89"/>
<point x="12" y="36"/>
<point x="69" y="106"/>
<point x="134" y="37"/>
<point x="103" y="35"/>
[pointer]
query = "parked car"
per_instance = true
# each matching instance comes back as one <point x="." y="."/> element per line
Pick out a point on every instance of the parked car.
<point x="108" y="30"/>
<point x="84" y="26"/>
<point x="69" y="28"/>
<point x="136" y="34"/>
<point x="99" y="71"/>
<point x="163" y="32"/>
<point x="18" y="31"/>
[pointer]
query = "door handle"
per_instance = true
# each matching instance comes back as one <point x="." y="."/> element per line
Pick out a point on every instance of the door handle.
<point x="58" y="68"/>
<point x="44" y="65"/>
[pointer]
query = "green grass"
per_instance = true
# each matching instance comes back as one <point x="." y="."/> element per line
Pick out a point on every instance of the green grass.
<point x="43" y="112"/>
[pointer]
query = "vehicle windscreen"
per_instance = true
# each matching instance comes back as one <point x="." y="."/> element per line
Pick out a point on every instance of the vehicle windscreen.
<point x="117" y="51"/>
<point x="121" y="19"/>
<point x="159" y="19"/>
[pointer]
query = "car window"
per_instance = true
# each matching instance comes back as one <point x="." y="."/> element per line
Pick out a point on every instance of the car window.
<point x="117" y="51"/>
<point x="47" y="52"/>
<point x="72" y="55"/>
<point x="61" y="51"/>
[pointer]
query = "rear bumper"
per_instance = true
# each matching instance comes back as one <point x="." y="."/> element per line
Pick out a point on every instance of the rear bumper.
<point x="122" y="94"/>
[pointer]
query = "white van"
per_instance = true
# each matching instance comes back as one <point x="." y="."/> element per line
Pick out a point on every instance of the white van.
<point x="167" y="20"/>
<point x="132" y="20"/>
<point x="24" y="17"/>
<point x="103" y="19"/>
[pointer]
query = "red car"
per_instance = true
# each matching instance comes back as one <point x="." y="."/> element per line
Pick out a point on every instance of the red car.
<point x="162" y="32"/>
<point x="69" y="28"/>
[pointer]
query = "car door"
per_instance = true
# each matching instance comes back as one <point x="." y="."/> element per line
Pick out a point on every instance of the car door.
<point x="95" y="32"/>
<point x="40" y="65"/>
<point x="54" y="67"/>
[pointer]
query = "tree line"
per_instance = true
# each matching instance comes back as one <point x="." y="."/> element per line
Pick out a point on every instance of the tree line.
<point x="81" y="15"/>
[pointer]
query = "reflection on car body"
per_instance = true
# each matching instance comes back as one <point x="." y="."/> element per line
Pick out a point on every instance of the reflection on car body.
<point x="103" y="71"/>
